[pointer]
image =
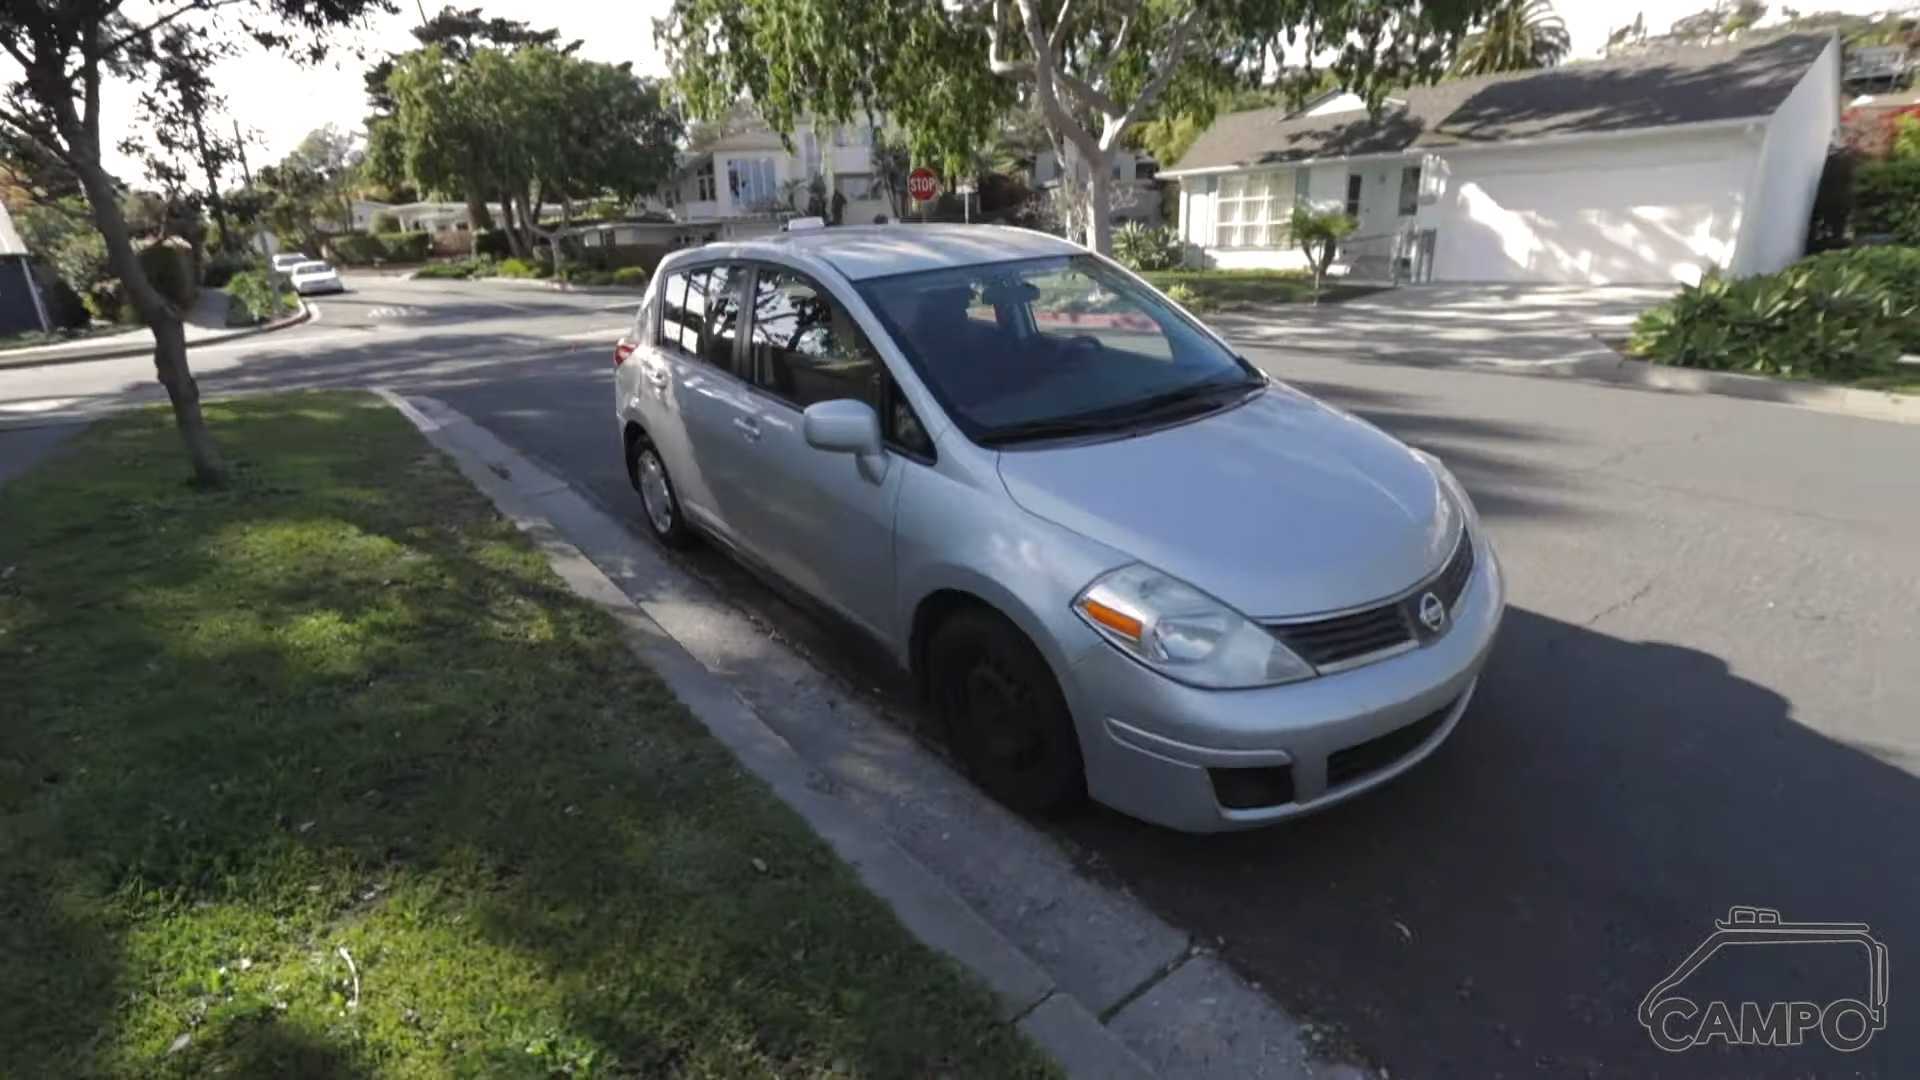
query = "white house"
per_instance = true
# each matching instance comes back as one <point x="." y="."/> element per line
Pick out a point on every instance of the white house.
<point x="1134" y="194"/>
<point x="748" y="172"/>
<point x="1648" y="168"/>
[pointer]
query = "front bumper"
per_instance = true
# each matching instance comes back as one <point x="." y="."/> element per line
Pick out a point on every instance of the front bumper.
<point x="1149" y="742"/>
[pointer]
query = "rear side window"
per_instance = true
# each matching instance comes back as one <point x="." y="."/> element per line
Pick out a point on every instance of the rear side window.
<point x="673" y="309"/>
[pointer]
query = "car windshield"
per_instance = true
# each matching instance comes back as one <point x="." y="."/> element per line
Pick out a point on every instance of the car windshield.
<point x="313" y="268"/>
<point x="1053" y="347"/>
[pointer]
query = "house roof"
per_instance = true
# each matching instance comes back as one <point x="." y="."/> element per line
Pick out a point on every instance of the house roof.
<point x="1654" y="89"/>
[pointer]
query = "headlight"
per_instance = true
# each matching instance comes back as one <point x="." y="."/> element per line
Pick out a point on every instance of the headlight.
<point x="1183" y="633"/>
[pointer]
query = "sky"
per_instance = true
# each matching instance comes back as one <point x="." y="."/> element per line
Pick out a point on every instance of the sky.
<point x="279" y="101"/>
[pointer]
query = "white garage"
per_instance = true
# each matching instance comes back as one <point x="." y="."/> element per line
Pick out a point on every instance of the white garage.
<point x="1655" y="168"/>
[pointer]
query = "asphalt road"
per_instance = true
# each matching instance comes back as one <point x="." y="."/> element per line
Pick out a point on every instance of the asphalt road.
<point x="1707" y="692"/>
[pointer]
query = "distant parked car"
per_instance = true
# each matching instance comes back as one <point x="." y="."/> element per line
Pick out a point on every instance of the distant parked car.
<point x="1119" y="558"/>
<point x="284" y="262"/>
<point x="316" y="277"/>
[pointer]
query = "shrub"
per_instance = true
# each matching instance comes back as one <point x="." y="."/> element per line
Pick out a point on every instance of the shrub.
<point x="1886" y="199"/>
<point x="1141" y="248"/>
<point x="1184" y="295"/>
<point x="456" y="270"/>
<point x="254" y="297"/>
<point x="517" y="268"/>
<point x="384" y="222"/>
<point x="221" y="268"/>
<point x="636" y="276"/>
<point x="169" y="267"/>
<point x="491" y="243"/>
<point x="404" y="246"/>
<point x="65" y="309"/>
<point x="1826" y="319"/>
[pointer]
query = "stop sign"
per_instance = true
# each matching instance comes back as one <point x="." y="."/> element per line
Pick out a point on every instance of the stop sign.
<point x="921" y="184"/>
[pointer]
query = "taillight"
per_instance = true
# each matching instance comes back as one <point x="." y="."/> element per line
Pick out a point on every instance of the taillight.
<point x="621" y="350"/>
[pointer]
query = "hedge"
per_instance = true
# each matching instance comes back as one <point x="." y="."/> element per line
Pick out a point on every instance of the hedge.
<point x="170" y="269"/>
<point x="363" y="249"/>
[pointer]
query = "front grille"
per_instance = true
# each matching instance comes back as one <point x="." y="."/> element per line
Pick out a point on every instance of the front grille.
<point x="1357" y="634"/>
<point x="1344" y="637"/>
<point x="1356" y="761"/>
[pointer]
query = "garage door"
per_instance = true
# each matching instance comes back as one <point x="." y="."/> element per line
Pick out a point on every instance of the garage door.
<point x="1585" y="220"/>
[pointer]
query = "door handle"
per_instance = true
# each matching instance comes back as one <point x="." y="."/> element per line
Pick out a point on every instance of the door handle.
<point x="657" y="376"/>
<point x="748" y="427"/>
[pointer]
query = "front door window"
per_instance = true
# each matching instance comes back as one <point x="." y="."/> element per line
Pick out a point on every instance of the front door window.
<point x="1354" y="183"/>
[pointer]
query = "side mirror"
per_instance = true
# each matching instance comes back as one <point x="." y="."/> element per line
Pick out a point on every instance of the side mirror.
<point x="846" y="426"/>
<point x="843" y="426"/>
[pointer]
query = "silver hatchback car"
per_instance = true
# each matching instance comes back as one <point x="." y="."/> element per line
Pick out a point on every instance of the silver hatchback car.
<point x="1118" y="559"/>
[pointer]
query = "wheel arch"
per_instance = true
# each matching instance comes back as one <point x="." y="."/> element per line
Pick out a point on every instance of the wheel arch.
<point x="959" y="592"/>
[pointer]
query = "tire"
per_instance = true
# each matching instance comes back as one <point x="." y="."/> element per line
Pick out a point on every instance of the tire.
<point x="659" y="504"/>
<point x="1005" y="717"/>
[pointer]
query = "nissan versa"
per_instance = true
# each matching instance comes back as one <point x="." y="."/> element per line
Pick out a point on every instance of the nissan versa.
<point x="1118" y="559"/>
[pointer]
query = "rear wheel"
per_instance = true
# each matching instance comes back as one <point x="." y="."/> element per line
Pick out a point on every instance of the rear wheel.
<point x="657" y="498"/>
<point x="1005" y="716"/>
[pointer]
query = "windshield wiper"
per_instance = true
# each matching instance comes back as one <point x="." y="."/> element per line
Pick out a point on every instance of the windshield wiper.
<point x="1208" y="395"/>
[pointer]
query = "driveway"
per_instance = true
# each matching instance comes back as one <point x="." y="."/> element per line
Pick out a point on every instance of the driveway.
<point x="1704" y="694"/>
<point x="1443" y="324"/>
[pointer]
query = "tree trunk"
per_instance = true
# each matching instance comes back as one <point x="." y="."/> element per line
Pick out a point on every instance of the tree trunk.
<point x="515" y="246"/>
<point x="213" y="185"/>
<point x="477" y="216"/>
<point x="169" y="336"/>
<point x="1100" y="203"/>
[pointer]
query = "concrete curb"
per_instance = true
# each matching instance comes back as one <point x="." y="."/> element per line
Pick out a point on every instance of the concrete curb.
<point x="935" y="914"/>
<point x="113" y="352"/>
<point x="547" y="284"/>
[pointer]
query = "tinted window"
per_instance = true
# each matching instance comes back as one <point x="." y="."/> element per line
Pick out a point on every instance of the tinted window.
<point x="805" y="347"/>
<point x="723" y="316"/>
<point x="1070" y="341"/>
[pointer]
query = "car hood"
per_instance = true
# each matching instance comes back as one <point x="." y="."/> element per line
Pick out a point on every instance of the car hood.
<point x="1282" y="506"/>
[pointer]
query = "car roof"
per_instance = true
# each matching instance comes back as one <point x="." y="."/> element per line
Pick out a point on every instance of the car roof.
<point x="868" y="251"/>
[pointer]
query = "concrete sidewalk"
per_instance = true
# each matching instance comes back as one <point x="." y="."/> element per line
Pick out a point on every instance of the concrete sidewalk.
<point x="205" y="325"/>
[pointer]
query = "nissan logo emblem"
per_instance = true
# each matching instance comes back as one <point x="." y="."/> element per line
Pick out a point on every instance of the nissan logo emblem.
<point x="1433" y="613"/>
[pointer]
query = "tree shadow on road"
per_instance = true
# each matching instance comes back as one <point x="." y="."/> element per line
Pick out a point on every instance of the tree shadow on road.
<point x="1503" y="908"/>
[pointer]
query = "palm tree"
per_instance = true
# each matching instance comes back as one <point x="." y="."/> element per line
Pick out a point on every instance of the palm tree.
<point x="1516" y="36"/>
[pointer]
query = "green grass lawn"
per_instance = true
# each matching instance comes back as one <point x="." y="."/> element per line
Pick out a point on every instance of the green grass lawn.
<point x="342" y="709"/>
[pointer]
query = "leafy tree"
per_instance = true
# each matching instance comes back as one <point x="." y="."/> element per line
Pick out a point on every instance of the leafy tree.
<point x="457" y="33"/>
<point x="1516" y="36"/>
<point x="309" y="193"/>
<point x="945" y="69"/>
<point x="62" y="52"/>
<point x="175" y="137"/>
<point x="536" y="125"/>
<point x="1319" y="232"/>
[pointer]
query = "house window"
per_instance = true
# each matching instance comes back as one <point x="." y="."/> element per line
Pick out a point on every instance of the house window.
<point x="1410" y="191"/>
<point x="1301" y="197"/>
<point x="1354" y="182"/>
<point x="1252" y="211"/>
<point x="751" y="182"/>
<point x="703" y="182"/>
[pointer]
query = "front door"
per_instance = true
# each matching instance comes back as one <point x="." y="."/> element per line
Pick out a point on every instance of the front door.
<point x="817" y="519"/>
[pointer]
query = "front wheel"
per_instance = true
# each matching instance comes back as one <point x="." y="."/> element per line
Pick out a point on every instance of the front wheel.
<point x="657" y="497"/>
<point x="1005" y="716"/>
